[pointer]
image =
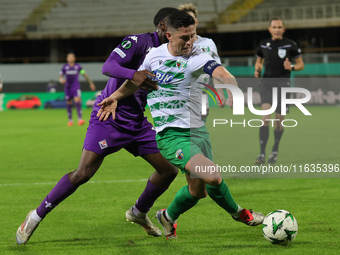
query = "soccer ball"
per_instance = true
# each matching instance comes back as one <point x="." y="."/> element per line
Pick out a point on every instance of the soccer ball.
<point x="280" y="227"/>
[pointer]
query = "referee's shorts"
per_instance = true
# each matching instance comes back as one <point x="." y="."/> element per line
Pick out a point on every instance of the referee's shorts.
<point x="266" y="91"/>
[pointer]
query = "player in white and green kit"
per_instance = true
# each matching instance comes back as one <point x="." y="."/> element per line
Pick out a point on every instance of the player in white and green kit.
<point x="176" y="110"/>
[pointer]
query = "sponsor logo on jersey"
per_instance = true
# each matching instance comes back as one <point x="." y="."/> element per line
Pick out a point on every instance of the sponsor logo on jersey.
<point x="282" y="53"/>
<point x="179" y="154"/>
<point x="103" y="144"/>
<point x="71" y="72"/>
<point x="126" y="44"/>
<point x="163" y="78"/>
<point x="135" y="38"/>
<point x="120" y="52"/>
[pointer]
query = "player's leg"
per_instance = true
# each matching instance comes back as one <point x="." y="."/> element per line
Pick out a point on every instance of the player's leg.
<point x="199" y="185"/>
<point x="88" y="166"/>
<point x="69" y="99"/>
<point x="157" y="184"/>
<point x="77" y="101"/>
<point x="145" y="145"/>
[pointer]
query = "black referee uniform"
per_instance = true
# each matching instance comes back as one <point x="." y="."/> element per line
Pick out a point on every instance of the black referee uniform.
<point x="274" y="53"/>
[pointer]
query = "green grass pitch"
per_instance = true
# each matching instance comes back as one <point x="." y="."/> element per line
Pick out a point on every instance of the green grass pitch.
<point x="37" y="148"/>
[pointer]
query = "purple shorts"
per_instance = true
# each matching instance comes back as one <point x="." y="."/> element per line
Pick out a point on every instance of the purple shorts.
<point x="105" y="138"/>
<point x="70" y="94"/>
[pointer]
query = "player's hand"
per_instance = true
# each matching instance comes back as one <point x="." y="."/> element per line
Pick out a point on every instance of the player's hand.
<point x="223" y="100"/>
<point x="257" y="73"/>
<point x="142" y="79"/>
<point x="92" y="86"/>
<point x="230" y="102"/>
<point x="62" y="81"/>
<point x="108" y="106"/>
<point x="287" y="64"/>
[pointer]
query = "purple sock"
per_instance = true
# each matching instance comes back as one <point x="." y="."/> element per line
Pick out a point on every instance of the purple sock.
<point x="62" y="190"/>
<point x="69" y="111"/>
<point x="78" y="106"/>
<point x="149" y="196"/>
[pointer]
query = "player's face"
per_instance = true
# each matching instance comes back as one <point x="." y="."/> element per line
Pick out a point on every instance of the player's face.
<point x="71" y="58"/>
<point x="276" y="29"/>
<point x="181" y="40"/>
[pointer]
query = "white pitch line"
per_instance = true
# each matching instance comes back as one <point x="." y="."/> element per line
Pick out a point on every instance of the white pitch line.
<point x="48" y="183"/>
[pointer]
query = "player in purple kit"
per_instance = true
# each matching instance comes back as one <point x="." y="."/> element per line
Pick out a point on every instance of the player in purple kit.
<point x="130" y="130"/>
<point x="71" y="71"/>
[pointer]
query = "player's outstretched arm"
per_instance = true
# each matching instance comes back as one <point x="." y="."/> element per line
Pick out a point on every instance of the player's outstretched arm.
<point x="109" y="104"/>
<point x="224" y="77"/>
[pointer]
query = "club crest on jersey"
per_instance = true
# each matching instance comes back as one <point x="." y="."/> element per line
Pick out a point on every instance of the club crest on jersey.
<point x="179" y="63"/>
<point x="179" y="154"/>
<point x="163" y="78"/>
<point x="103" y="144"/>
<point x="282" y="53"/>
<point x="205" y="49"/>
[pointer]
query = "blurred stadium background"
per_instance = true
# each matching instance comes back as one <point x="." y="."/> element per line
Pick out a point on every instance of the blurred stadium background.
<point x="35" y="35"/>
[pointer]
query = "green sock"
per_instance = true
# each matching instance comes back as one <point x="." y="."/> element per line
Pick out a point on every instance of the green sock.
<point x="182" y="202"/>
<point x="222" y="196"/>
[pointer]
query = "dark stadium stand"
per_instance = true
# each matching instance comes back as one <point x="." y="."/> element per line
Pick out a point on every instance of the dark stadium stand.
<point x="40" y="31"/>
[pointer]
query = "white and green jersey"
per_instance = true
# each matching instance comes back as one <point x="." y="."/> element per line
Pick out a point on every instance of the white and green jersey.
<point x="177" y="102"/>
<point x="208" y="46"/>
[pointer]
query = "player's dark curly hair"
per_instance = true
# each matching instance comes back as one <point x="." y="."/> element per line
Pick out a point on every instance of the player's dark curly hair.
<point x="180" y="19"/>
<point x="162" y="14"/>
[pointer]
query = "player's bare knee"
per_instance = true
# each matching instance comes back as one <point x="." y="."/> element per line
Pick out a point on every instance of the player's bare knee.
<point x="199" y="194"/>
<point x="213" y="181"/>
<point x="168" y="172"/>
<point x="172" y="172"/>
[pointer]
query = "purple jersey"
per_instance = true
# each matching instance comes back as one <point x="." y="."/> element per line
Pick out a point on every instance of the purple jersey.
<point x="130" y="54"/>
<point x="71" y="74"/>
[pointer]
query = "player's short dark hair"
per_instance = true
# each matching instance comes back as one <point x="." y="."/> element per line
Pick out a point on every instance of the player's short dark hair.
<point x="275" y="18"/>
<point x="180" y="19"/>
<point x="162" y="14"/>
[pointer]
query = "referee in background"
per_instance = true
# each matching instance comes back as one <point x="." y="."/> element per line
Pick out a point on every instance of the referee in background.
<point x="276" y="55"/>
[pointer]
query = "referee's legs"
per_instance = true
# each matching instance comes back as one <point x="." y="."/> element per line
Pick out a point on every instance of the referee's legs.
<point x="264" y="134"/>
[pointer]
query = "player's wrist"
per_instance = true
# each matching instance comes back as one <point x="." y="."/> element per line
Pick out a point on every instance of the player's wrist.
<point x="292" y="67"/>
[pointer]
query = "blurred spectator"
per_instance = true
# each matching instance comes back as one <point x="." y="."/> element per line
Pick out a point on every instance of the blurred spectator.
<point x="51" y="86"/>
